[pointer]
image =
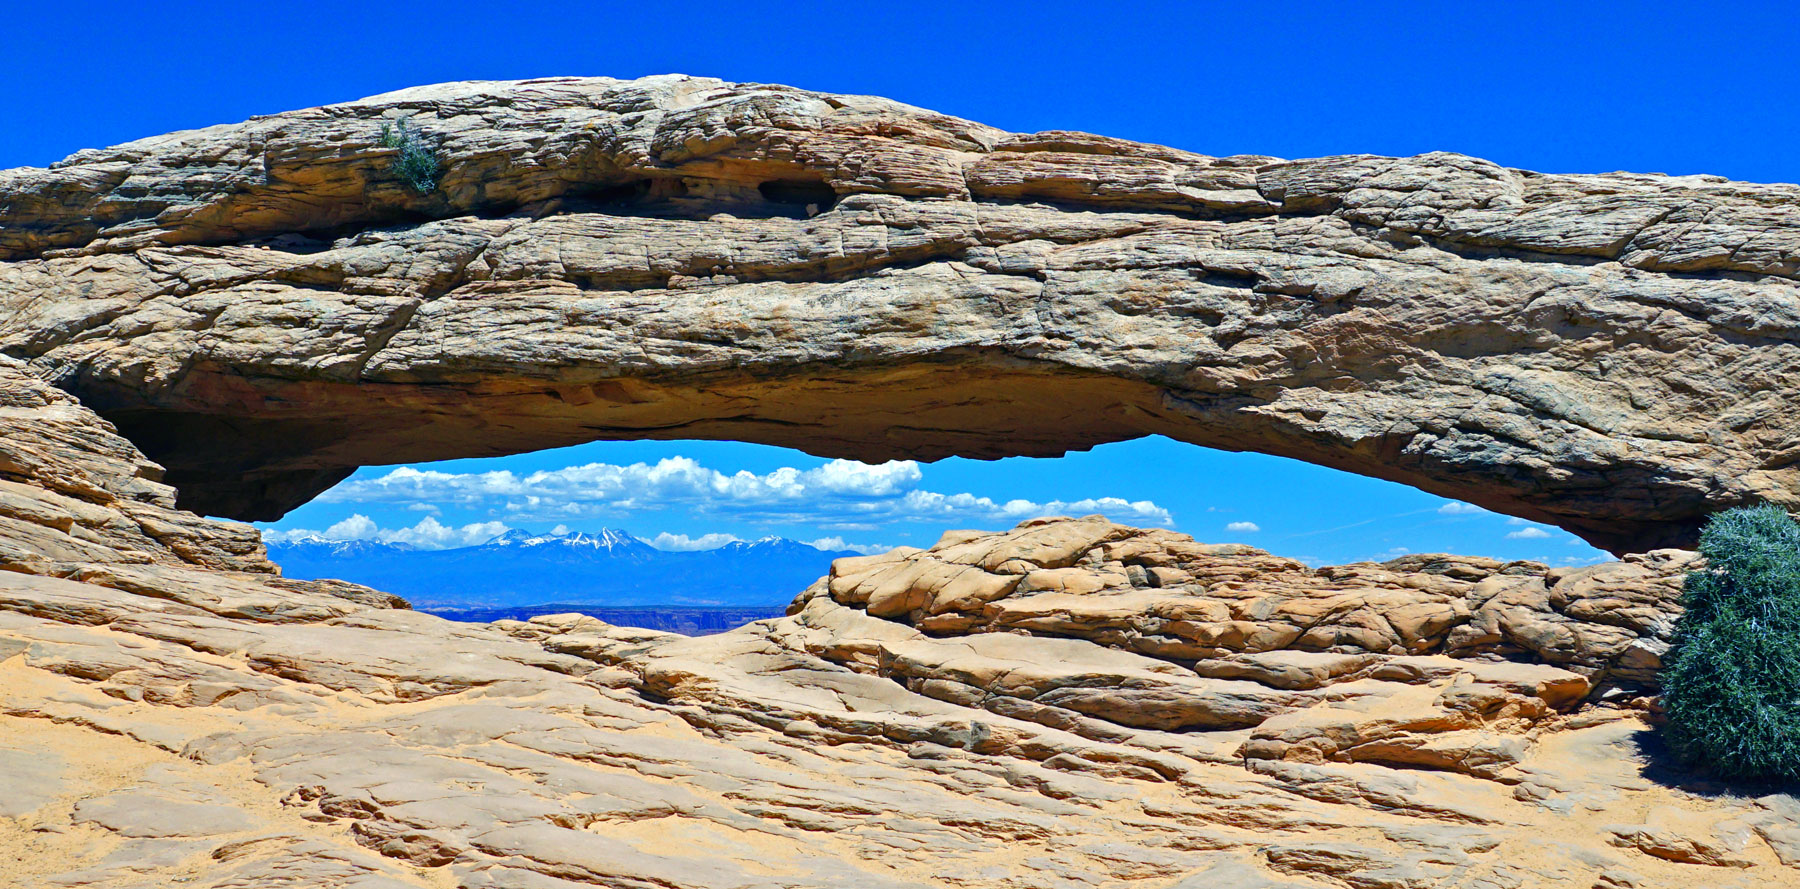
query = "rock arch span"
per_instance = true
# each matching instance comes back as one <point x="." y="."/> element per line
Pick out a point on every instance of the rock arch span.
<point x="263" y="307"/>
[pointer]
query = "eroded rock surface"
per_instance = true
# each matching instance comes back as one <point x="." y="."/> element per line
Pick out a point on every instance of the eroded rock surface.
<point x="1239" y="612"/>
<point x="1068" y="704"/>
<point x="264" y="306"/>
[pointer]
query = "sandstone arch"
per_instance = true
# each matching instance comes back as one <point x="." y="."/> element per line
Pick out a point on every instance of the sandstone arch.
<point x="263" y="307"/>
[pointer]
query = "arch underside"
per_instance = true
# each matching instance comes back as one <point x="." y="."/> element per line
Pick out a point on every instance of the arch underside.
<point x="262" y="310"/>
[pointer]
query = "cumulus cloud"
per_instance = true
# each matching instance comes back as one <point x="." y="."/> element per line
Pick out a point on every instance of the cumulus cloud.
<point x="839" y="544"/>
<point x="357" y="527"/>
<point x="841" y="495"/>
<point x="429" y="533"/>
<point x="1456" y="507"/>
<point x="1580" y="561"/>
<point x="1528" y="534"/>
<point x="684" y="543"/>
<point x="272" y="535"/>
<point x="1243" y="527"/>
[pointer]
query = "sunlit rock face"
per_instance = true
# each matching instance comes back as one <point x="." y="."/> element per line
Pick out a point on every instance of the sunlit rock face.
<point x="264" y="306"/>
<point x="1240" y="612"/>
<point x="1071" y="703"/>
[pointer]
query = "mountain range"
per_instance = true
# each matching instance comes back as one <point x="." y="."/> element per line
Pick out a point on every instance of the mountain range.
<point x="606" y="568"/>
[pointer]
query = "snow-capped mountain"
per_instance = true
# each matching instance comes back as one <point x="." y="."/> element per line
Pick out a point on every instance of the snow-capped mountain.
<point x="764" y="544"/>
<point x="315" y="546"/>
<point x="607" y="567"/>
<point x="606" y="539"/>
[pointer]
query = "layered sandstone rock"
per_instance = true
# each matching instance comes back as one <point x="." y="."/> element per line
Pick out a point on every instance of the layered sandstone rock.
<point x="1225" y="607"/>
<point x="264" y="306"/>
<point x="78" y="501"/>
<point x="1068" y="704"/>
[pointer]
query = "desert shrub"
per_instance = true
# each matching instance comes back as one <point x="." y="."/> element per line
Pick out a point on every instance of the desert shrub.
<point x="416" y="164"/>
<point x="1731" y="679"/>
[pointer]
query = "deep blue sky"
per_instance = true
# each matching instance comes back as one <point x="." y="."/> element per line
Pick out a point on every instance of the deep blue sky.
<point x="1559" y="87"/>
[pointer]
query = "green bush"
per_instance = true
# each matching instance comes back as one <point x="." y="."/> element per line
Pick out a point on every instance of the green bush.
<point x="1731" y="680"/>
<point x="416" y="164"/>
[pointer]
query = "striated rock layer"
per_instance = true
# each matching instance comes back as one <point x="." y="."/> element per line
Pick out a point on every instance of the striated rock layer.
<point x="264" y="306"/>
<point x="1069" y="704"/>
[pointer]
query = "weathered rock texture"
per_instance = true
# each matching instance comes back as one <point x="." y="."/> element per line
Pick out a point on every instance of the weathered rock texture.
<point x="1069" y="704"/>
<point x="264" y="306"/>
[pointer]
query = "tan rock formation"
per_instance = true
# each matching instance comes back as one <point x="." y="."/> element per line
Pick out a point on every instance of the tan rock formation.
<point x="1225" y="607"/>
<point x="264" y="306"/>
<point x="1068" y="704"/>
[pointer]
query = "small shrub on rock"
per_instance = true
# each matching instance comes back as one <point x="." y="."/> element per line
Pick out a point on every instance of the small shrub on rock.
<point x="416" y="164"/>
<point x="1731" y="680"/>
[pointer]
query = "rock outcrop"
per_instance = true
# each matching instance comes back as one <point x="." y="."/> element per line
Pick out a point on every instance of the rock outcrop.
<point x="1072" y="703"/>
<point x="264" y="306"/>
<point x="1226" y="607"/>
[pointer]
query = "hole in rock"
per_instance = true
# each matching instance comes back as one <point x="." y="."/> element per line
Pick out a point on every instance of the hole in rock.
<point x="802" y="193"/>
<point x="702" y="536"/>
<point x="648" y="197"/>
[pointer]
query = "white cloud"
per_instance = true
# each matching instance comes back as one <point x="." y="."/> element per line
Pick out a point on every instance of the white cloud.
<point x="357" y="527"/>
<point x="838" y="543"/>
<point x="684" y="543"/>
<point x="1528" y="534"/>
<point x="429" y="533"/>
<point x="839" y="495"/>
<point x="271" y="535"/>
<point x="1456" y="507"/>
<point x="1243" y="527"/>
<point x="851" y="477"/>
<point x="1582" y="561"/>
